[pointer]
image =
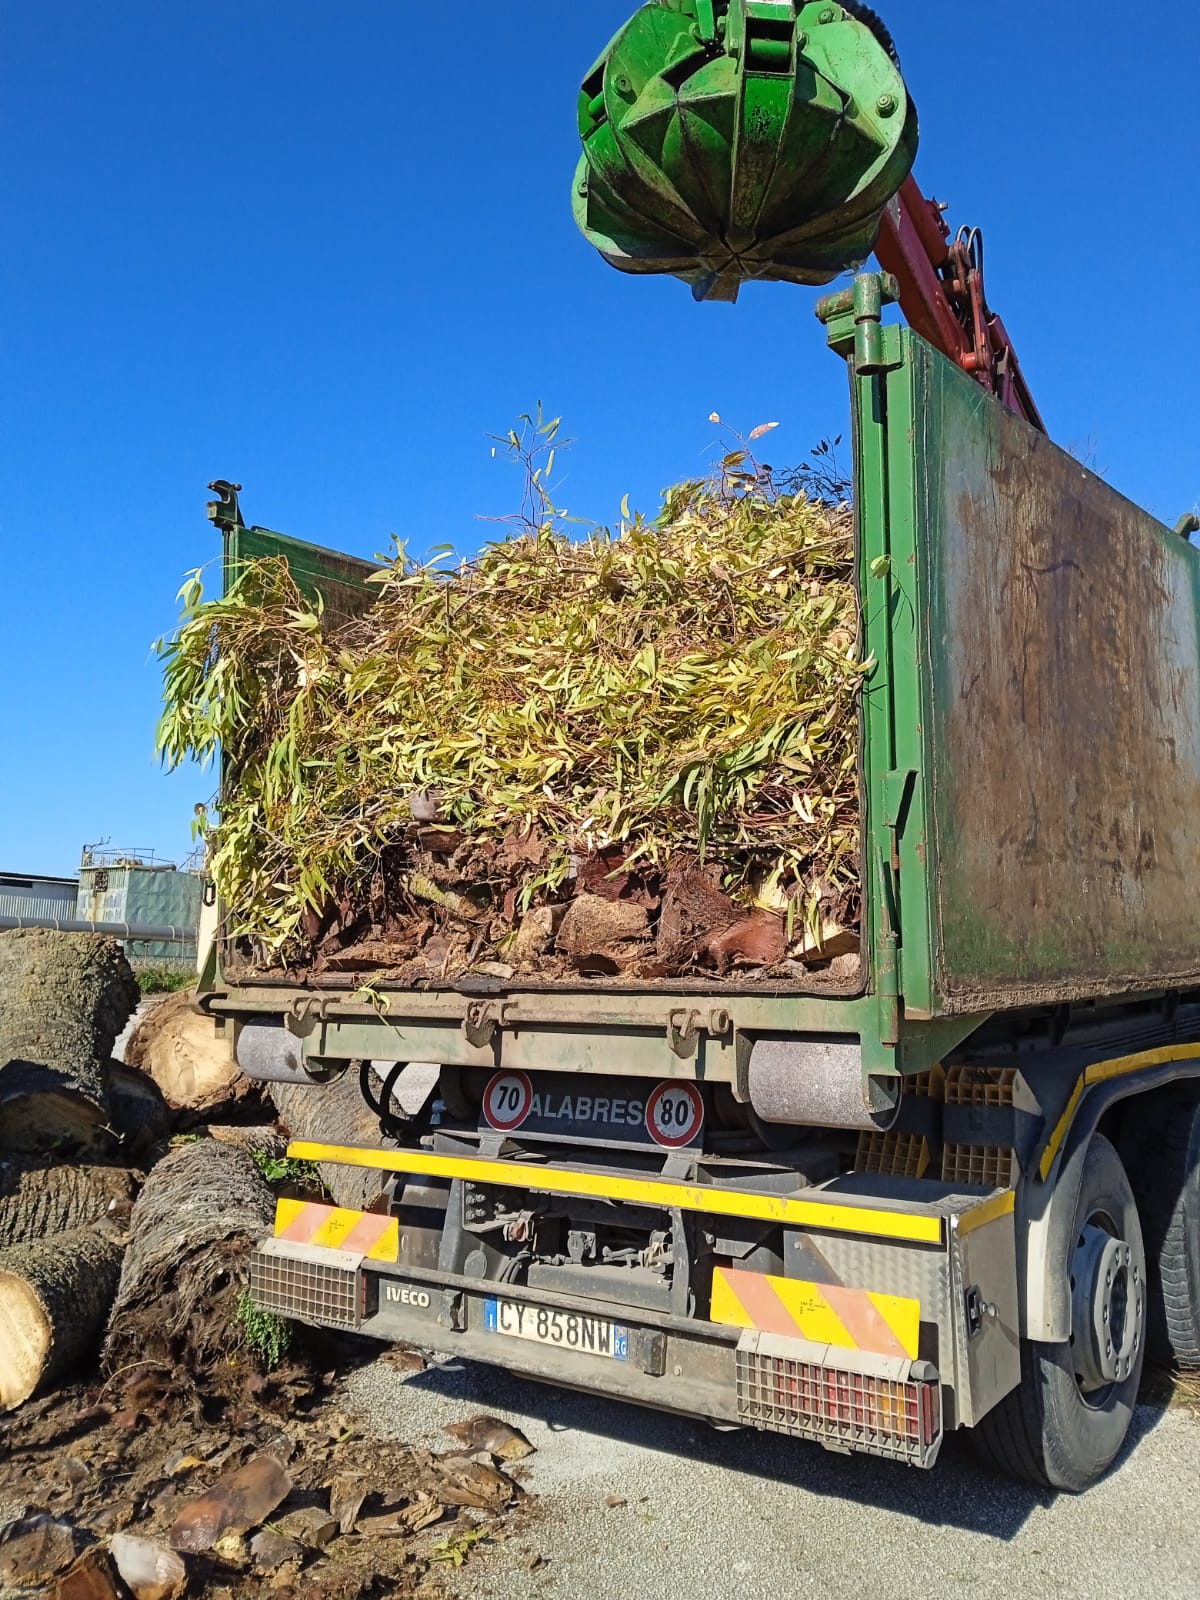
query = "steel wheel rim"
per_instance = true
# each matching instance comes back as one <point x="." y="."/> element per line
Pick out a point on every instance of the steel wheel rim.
<point x="1108" y="1308"/>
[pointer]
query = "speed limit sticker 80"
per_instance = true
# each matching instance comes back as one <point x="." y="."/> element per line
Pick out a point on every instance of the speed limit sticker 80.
<point x="675" y="1114"/>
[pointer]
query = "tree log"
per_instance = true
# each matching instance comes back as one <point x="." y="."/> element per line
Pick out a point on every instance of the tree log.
<point x="44" y="1111"/>
<point x="140" y="1117"/>
<point x="182" y="1051"/>
<point x="335" y="1113"/>
<point x="38" y="1199"/>
<point x="54" y="1297"/>
<point x="64" y="998"/>
<point x="201" y="1212"/>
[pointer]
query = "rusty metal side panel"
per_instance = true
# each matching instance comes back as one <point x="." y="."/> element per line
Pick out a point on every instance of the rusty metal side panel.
<point x="1062" y="715"/>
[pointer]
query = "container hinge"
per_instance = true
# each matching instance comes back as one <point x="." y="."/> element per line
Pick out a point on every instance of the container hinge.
<point x="854" y="319"/>
<point x="898" y="788"/>
<point x="483" y="1021"/>
<point x="684" y="1029"/>
<point x="305" y="1014"/>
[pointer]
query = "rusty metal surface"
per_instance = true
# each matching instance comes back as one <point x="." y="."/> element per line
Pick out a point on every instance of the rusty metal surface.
<point x="1064" y="743"/>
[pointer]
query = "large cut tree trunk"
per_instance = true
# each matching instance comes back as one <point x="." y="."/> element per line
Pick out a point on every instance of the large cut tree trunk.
<point x="141" y="1118"/>
<point x="64" y="998"/>
<point x="54" y="1297"/>
<point x="201" y="1212"/>
<point x="44" y="1110"/>
<point x="182" y="1051"/>
<point x="335" y="1113"/>
<point x="38" y="1198"/>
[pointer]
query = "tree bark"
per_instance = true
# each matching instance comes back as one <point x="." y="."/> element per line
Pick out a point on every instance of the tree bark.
<point x="335" y="1113"/>
<point x="202" y="1210"/>
<point x="38" y="1199"/>
<point x="54" y="1297"/>
<point x="64" y="998"/>
<point x="188" y="1059"/>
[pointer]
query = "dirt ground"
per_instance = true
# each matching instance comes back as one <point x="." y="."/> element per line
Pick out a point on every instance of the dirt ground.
<point x="268" y="1489"/>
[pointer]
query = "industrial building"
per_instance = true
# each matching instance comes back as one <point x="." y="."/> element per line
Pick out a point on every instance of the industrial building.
<point x="28" y="894"/>
<point x="138" y="889"/>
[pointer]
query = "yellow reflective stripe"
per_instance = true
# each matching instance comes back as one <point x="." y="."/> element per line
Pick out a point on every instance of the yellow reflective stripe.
<point x="847" y="1319"/>
<point x="1000" y="1205"/>
<point x="826" y="1216"/>
<point x="1102" y="1072"/>
<point x="903" y="1317"/>
<point x="1060" y="1131"/>
<point x="375" y="1237"/>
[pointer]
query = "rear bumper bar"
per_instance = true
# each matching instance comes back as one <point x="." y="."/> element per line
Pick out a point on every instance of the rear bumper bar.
<point x="844" y="1400"/>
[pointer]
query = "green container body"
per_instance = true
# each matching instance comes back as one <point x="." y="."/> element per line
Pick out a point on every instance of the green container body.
<point x="1030" y="743"/>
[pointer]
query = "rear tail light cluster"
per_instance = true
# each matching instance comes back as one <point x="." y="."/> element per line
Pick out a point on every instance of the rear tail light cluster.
<point x="322" y="1287"/>
<point x="842" y="1410"/>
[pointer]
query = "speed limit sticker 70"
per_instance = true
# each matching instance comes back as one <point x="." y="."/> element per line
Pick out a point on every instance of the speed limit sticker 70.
<point x="507" y="1101"/>
<point x="675" y="1114"/>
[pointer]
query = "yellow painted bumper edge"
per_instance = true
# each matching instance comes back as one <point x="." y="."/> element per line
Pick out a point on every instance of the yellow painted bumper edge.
<point x="824" y="1215"/>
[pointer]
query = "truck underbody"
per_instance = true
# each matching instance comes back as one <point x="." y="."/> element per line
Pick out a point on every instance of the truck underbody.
<point x="869" y="1291"/>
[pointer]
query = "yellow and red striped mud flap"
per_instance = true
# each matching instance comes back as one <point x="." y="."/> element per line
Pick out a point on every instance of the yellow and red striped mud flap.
<point x="822" y="1313"/>
<point x="362" y="1233"/>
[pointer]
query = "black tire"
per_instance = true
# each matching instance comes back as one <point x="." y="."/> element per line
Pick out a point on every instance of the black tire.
<point x="1162" y="1152"/>
<point x="1048" y="1431"/>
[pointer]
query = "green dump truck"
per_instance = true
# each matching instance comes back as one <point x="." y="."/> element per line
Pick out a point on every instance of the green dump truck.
<point x="964" y="1193"/>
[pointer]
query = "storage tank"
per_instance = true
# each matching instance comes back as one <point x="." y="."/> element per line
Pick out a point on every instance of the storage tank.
<point x="135" y="887"/>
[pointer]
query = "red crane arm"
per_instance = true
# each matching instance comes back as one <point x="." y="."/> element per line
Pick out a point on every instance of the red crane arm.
<point x="942" y="296"/>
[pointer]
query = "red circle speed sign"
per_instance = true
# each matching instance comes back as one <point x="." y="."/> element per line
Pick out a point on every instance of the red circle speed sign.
<point x="507" y="1101"/>
<point x="675" y="1114"/>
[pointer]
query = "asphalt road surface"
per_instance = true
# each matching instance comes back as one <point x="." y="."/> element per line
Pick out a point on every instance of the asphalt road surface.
<point x="710" y="1515"/>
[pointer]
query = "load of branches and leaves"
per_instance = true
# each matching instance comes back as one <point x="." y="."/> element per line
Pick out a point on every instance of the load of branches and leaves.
<point x="629" y="753"/>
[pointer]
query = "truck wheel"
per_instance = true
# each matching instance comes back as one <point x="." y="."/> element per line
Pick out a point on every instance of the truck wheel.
<point x="1164" y="1164"/>
<point x="1065" y="1423"/>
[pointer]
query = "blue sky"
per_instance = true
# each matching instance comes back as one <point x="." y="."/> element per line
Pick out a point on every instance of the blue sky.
<point x="325" y="248"/>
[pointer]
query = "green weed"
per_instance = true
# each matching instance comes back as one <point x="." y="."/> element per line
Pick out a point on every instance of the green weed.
<point x="164" y="980"/>
<point x="282" y="1169"/>
<point x="263" y="1333"/>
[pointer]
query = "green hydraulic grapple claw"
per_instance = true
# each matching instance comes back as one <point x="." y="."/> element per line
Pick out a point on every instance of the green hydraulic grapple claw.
<point x="726" y="140"/>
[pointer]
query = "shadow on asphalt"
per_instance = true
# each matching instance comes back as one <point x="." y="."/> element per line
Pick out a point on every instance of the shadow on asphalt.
<point x="957" y="1493"/>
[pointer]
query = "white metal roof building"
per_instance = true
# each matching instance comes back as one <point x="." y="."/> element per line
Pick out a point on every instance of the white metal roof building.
<point x="29" y="894"/>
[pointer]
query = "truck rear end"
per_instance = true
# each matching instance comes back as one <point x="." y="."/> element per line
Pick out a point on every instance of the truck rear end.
<point x="843" y="1216"/>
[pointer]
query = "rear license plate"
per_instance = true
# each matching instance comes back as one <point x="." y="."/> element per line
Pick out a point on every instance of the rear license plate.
<point x="568" y="1330"/>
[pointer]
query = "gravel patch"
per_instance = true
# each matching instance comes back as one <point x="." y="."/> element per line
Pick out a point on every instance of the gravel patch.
<point x="757" y="1516"/>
